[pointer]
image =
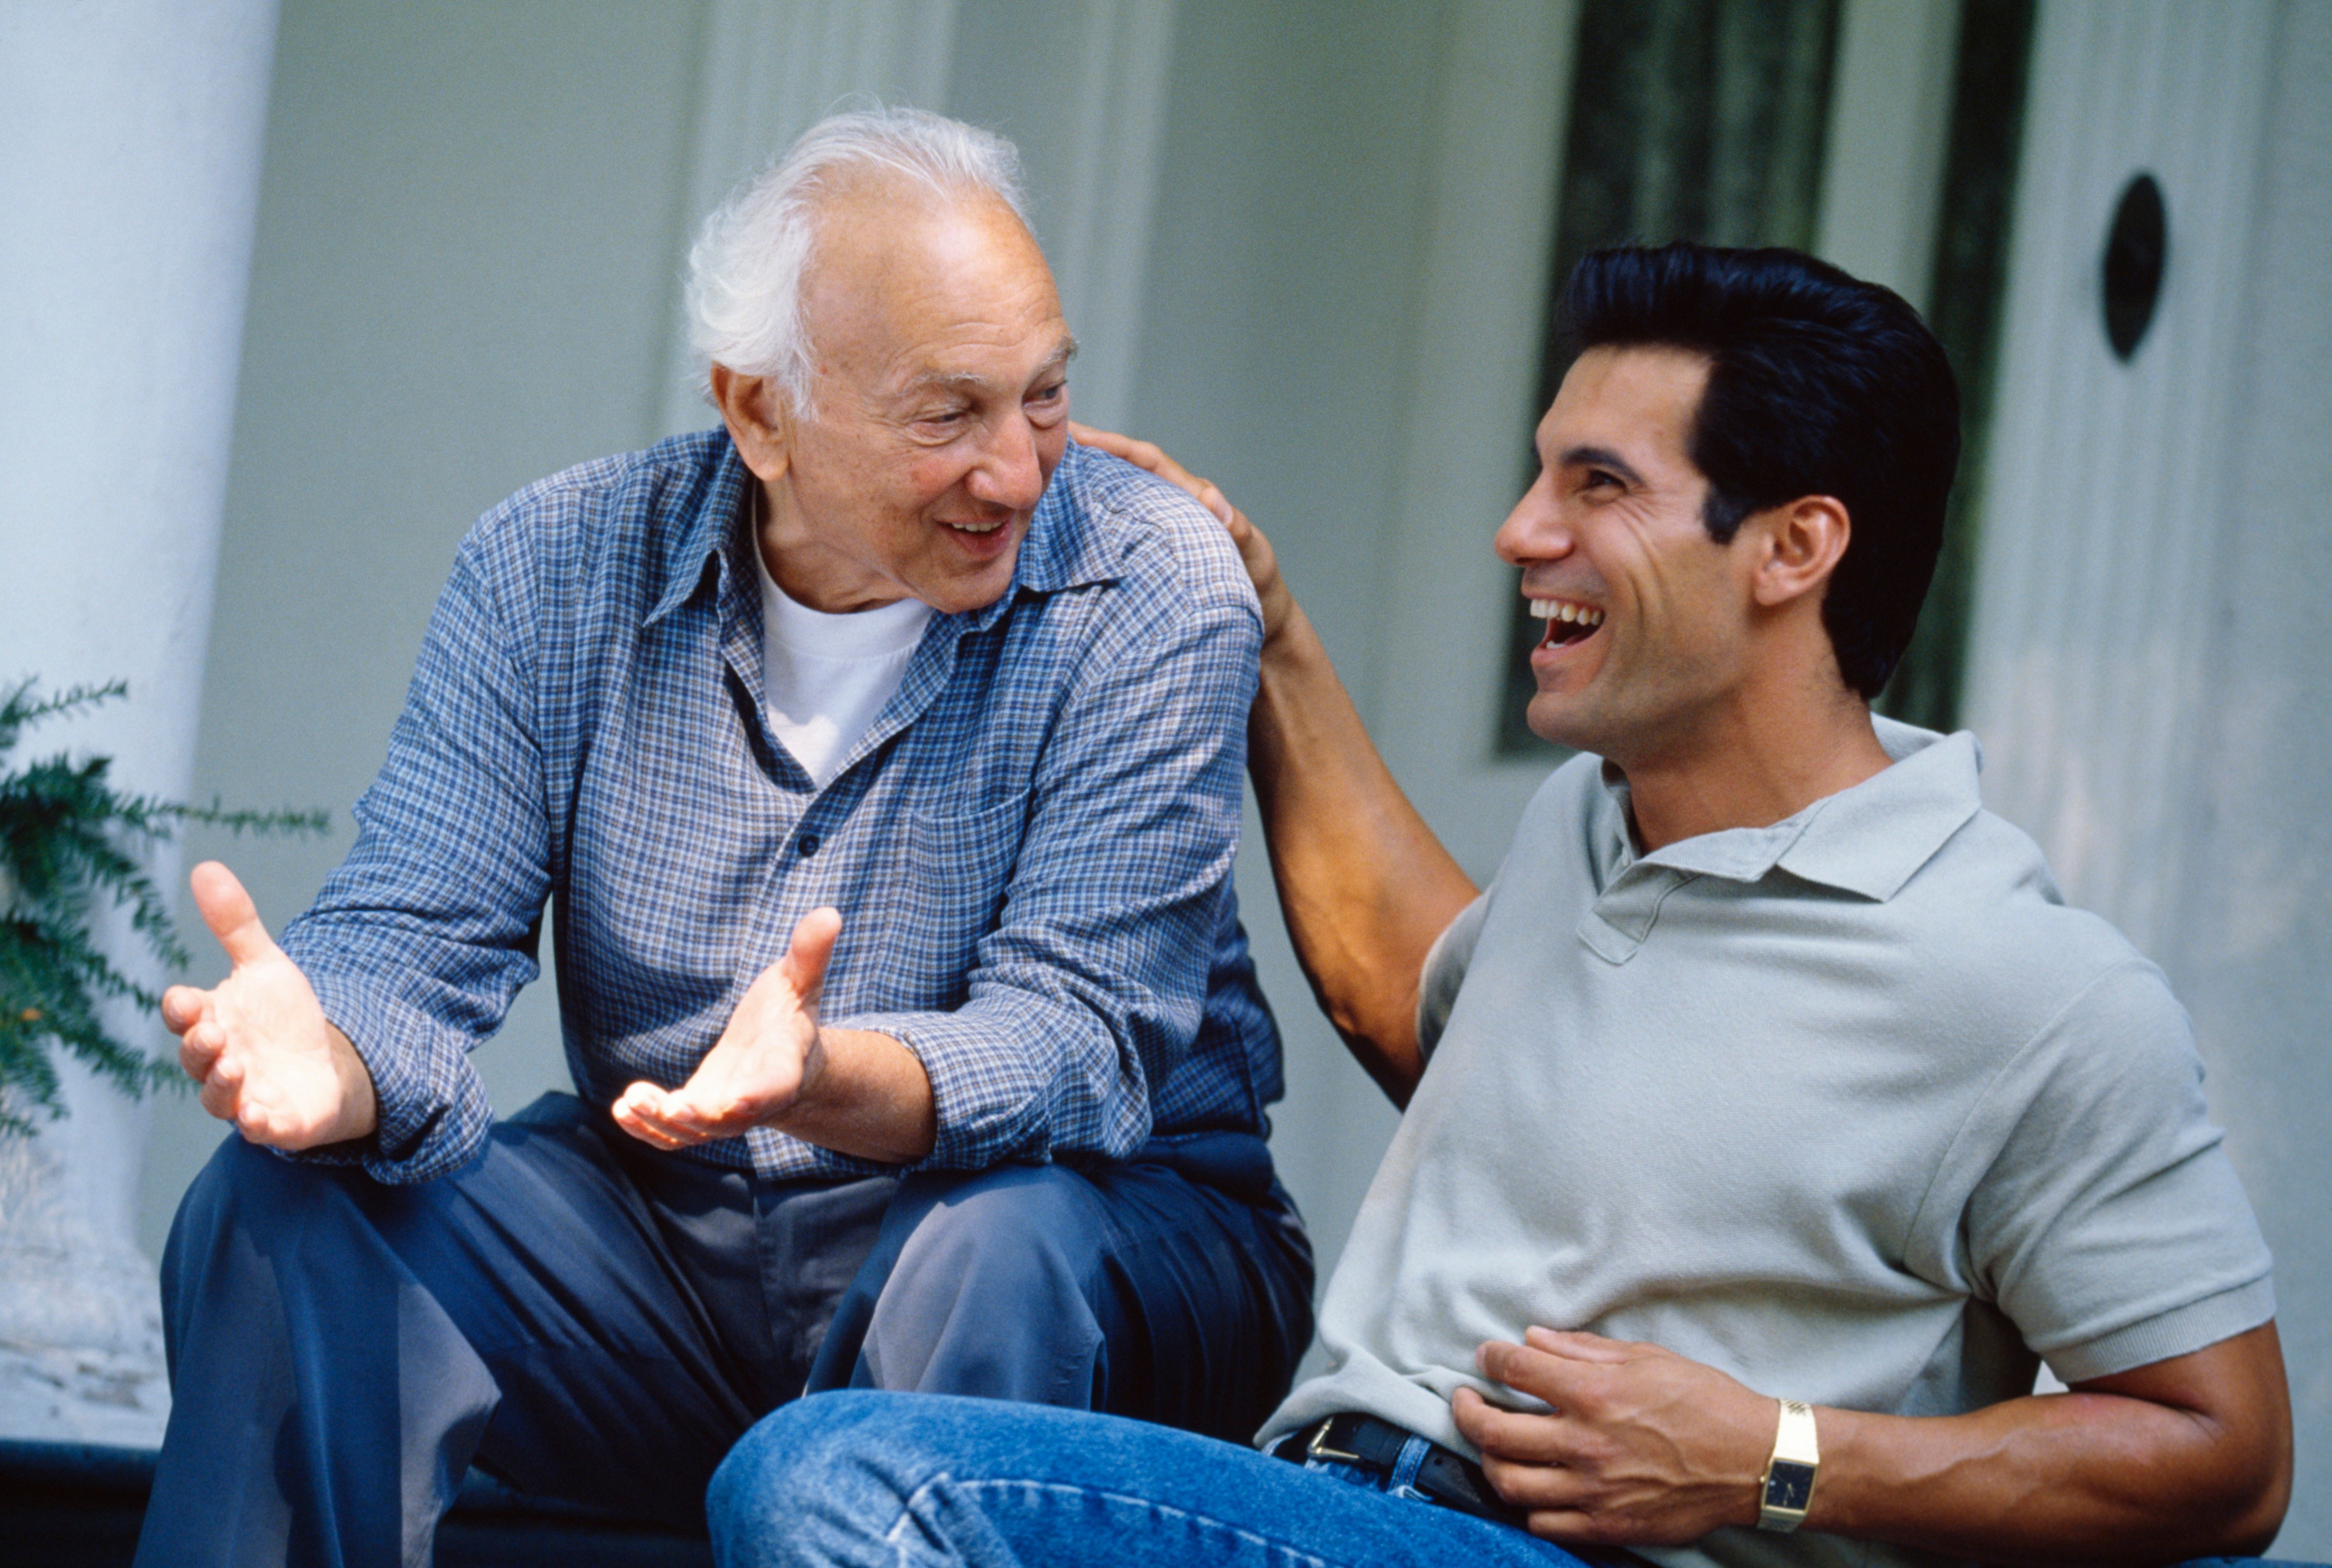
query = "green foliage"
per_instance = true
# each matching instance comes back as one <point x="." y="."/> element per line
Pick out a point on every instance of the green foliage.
<point x="71" y="852"/>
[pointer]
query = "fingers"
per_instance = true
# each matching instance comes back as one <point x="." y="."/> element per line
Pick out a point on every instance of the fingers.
<point x="655" y="1117"/>
<point x="1141" y="453"/>
<point x="812" y="946"/>
<point x="1528" y="1369"/>
<point x="183" y="1007"/>
<point x="1151" y="457"/>
<point x="1574" y="1345"/>
<point x="1529" y="1437"/>
<point x="1553" y="1362"/>
<point x="199" y="1049"/>
<point x="228" y="911"/>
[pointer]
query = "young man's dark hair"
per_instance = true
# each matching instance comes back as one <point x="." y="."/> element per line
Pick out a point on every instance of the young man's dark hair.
<point x="1818" y="385"/>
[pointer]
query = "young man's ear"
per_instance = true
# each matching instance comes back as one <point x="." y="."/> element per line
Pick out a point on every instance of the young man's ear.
<point x="1799" y="545"/>
<point x="759" y="418"/>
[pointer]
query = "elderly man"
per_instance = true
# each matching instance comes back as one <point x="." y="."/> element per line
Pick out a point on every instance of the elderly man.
<point x="1768" y="1121"/>
<point x="881" y="754"/>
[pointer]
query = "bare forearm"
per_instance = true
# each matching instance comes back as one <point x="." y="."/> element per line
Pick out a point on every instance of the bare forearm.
<point x="870" y="1099"/>
<point x="2049" y="1480"/>
<point x="2088" y="1475"/>
<point x="1363" y="883"/>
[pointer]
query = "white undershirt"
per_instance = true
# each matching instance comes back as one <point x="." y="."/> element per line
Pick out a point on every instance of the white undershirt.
<point x="824" y="677"/>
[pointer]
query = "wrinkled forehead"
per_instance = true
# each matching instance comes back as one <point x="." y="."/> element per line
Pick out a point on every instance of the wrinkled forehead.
<point x="904" y="280"/>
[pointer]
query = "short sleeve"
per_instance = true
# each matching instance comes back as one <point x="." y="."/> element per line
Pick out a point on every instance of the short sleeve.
<point x="2110" y="1226"/>
<point x="1445" y="970"/>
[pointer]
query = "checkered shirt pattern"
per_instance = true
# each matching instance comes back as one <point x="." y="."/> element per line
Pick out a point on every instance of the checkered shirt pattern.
<point x="1031" y="849"/>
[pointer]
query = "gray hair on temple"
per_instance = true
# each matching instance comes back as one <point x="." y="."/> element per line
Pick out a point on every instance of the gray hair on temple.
<point x="745" y="270"/>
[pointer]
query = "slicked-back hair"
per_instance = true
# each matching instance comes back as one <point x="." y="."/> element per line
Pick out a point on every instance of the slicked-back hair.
<point x="747" y="266"/>
<point x="1819" y="383"/>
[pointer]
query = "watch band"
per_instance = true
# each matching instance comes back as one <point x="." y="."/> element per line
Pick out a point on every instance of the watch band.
<point x="1787" y="1490"/>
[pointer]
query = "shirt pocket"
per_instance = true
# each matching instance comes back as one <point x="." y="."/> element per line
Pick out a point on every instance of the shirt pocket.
<point x="959" y="868"/>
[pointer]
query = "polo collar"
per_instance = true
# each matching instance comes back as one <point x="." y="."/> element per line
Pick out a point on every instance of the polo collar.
<point x="1869" y="840"/>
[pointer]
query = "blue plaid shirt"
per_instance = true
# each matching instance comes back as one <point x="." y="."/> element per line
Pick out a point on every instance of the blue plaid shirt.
<point x="1031" y="849"/>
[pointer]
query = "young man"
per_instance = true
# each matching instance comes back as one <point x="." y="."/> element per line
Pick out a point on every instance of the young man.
<point x="888" y="644"/>
<point x="1767" y="1122"/>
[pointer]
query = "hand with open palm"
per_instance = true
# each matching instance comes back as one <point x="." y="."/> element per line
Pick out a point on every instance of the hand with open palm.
<point x="769" y="1059"/>
<point x="258" y="1043"/>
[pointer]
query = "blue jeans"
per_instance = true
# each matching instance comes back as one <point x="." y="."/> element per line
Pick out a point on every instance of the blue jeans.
<point x="897" y="1480"/>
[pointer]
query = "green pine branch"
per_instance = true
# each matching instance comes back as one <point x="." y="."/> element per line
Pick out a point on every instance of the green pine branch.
<point x="72" y="850"/>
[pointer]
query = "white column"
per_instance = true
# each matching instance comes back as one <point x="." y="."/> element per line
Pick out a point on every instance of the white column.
<point x="130" y="135"/>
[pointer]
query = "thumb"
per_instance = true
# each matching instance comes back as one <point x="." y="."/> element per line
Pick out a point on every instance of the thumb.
<point x="228" y="911"/>
<point x="812" y="947"/>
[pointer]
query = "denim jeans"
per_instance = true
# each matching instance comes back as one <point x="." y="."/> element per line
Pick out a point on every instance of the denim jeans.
<point x="880" y="1478"/>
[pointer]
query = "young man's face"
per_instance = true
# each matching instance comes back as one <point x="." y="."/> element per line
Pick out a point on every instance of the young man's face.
<point x="1649" y="637"/>
<point x="941" y="407"/>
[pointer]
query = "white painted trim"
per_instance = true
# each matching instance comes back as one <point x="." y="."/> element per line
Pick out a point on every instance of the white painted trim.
<point x="1890" y="123"/>
<point x="1445" y="599"/>
<point x="2102" y="506"/>
<point x="772" y="69"/>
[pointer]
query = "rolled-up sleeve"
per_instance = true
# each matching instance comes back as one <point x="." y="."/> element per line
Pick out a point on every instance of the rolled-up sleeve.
<point x="417" y="942"/>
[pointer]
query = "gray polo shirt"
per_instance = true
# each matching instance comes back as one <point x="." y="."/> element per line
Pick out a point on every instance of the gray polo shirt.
<point x="1852" y="1107"/>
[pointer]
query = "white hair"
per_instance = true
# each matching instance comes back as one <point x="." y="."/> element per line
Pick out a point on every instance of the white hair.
<point x="746" y="268"/>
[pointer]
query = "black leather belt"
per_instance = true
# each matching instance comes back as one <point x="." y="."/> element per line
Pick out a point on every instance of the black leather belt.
<point x="1447" y="1478"/>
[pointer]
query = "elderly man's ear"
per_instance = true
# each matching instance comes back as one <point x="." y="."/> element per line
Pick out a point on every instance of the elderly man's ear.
<point x="759" y="419"/>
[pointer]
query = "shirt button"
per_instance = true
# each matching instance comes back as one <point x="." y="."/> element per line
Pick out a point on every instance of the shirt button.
<point x="806" y="845"/>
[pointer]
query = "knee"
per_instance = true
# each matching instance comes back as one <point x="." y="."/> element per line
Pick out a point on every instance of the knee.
<point x="242" y="1197"/>
<point x="816" y="1472"/>
<point x="1000" y="1290"/>
<point x="1009" y="1230"/>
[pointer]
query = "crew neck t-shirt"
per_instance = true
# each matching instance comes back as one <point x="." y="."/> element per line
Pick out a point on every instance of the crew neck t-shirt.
<point x="827" y="676"/>
<point x="1851" y="1107"/>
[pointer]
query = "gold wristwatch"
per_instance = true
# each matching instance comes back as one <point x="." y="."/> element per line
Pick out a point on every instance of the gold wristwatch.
<point x="1788" y="1489"/>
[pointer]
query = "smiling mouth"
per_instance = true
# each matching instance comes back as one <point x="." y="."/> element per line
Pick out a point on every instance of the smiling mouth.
<point x="1566" y="622"/>
<point x="981" y="528"/>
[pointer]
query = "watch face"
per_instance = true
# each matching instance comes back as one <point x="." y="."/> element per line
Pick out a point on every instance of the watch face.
<point x="1789" y="1485"/>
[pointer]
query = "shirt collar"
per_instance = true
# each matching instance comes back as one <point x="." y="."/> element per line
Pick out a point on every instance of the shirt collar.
<point x="1869" y="840"/>
<point x="1066" y="548"/>
<point x="710" y="525"/>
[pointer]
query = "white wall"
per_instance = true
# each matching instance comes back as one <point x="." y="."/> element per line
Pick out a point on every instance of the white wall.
<point x="2250" y="947"/>
<point x="2150" y="670"/>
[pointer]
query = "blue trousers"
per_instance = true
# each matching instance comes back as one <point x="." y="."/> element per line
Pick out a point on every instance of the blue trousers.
<point x="587" y="1320"/>
<point x="858" y="1480"/>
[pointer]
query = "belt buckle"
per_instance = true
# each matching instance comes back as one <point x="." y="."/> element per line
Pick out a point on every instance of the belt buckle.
<point x="1318" y="1448"/>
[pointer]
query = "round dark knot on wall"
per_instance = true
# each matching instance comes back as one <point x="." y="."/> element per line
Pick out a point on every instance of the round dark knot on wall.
<point x="2138" y="251"/>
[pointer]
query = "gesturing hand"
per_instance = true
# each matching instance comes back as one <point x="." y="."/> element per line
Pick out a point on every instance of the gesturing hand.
<point x="1642" y="1446"/>
<point x="258" y="1042"/>
<point x="1255" y="550"/>
<point x="769" y="1057"/>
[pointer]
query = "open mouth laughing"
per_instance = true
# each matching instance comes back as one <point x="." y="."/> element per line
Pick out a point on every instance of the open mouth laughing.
<point x="1566" y="622"/>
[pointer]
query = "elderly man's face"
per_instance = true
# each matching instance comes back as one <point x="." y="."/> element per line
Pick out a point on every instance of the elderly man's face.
<point x="941" y="407"/>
